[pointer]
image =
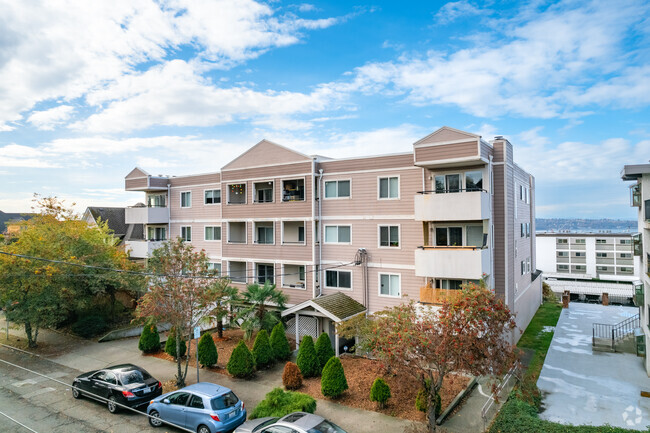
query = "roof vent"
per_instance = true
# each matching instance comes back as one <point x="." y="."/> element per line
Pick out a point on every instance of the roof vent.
<point x="498" y="137"/>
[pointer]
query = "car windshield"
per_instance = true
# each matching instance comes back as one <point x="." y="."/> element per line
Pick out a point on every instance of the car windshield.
<point x="133" y="376"/>
<point x="265" y="423"/>
<point x="326" y="427"/>
<point x="224" y="401"/>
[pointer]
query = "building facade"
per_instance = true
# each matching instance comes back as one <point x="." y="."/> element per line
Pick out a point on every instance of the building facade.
<point x="380" y="229"/>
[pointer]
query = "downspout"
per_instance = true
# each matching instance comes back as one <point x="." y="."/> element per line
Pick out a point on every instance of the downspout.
<point x="320" y="232"/>
<point x="169" y="211"/>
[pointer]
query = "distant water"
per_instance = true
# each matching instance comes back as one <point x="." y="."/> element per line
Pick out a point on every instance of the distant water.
<point x="577" y="225"/>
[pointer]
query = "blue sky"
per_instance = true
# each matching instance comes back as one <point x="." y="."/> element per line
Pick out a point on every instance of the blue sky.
<point x="89" y="91"/>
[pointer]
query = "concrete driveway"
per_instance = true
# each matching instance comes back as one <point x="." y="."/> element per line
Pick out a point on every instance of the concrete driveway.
<point x="592" y="388"/>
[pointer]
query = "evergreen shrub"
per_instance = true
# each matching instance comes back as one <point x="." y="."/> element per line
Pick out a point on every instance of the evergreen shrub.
<point x="149" y="339"/>
<point x="291" y="376"/>
<point x="333" y="381"/>
<point x="170" y="345"/>
<point x="208" y="355"/>
<point x="279" y="343"/>
<point x="241" y="363"/>
<point x="279" y="403"/>
<point x="380" y="392"/>
<point x="307" y="360"/>
<point x="324" y="350"/>
<point x="262" y="350"/>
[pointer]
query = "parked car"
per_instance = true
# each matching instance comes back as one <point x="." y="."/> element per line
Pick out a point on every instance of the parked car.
<point x="125" y="384"/>
<point x="203" y="407"/>
<point x="297" y="422"/>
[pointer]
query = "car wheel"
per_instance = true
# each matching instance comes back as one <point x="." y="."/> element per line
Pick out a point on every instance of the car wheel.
<point x="203" y="429"/>
<point x="75" y="390"/>
<point x="112" y="404"/>
<point x="154" y="419"/>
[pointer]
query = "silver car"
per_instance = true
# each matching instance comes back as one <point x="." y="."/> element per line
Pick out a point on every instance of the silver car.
<point x="297" y="422"/>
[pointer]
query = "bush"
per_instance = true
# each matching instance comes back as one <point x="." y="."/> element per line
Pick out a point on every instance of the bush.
<point x="279" y="403"/>
<point x="333" y="382"/>
<point x="241" y="363"/>
<point x="421" y="400"/>
<point x="89" y="326"/>
<point x="307" y="360"/>
<point x="380" y="392"/>
<point x="149" y="339"/>
<point x="262" y="350"/>
<point x="291" y="376"/>
<point x="548" y="294"/>
<point x="324" y="350"/>
<point x="208" y="355"/>
<point x="170" y="345"/>
<point x="279" y="343"/>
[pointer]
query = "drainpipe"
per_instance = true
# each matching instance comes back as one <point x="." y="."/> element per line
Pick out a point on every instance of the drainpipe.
<point x="169" y="210"/>
<point x="320" y="232"/>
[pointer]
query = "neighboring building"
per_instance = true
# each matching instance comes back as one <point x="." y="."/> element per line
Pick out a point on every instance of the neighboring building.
<point x="11" y="223"/>
<point x="640" y="198"/>
<point x="379" y="229"/>
<point x="115" y="219"/>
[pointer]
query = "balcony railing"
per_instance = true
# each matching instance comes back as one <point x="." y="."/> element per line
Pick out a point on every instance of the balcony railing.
<point x="453" y="262"/>
<point x="146" y="215"/>
<point x="452" y="205"/>
<point x="429" y="295"/>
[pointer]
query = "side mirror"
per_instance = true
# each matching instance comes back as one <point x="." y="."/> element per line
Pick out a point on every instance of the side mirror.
<point x="166" y="401"/>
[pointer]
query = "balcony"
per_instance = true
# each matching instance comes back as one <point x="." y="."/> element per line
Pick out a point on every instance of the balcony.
<point x="461" y="263"/>
<point x="452" y="206"/>
<point x="146" y="215"/>
<point x="142" y="249"/>
<point x="430" y="295"/>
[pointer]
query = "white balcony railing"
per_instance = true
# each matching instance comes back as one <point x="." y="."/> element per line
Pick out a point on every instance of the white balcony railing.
<point x="452" y="206"/>
<point x="146" y="215"/>
<point x="141" y="248"/>
<point x="459" y="263"/>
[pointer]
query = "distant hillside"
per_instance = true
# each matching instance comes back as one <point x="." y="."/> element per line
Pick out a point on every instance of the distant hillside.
<point x="585" y="225"/>
<point x="4" y="217"/>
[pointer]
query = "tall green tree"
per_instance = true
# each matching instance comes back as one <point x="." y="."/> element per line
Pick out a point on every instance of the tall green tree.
<point x="257" y="312"/>
<point x="324" y="350"/>
<point x="42" y="294"/>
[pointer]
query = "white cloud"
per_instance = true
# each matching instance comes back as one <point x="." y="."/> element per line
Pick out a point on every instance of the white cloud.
<point x="48" y="119"/>
<point x="454" y="10"/>
<point x="306" y="7"/>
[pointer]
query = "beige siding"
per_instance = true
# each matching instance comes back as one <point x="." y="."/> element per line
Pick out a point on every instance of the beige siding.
<point x="198" y="210"/>
<point x="276" y="251"/>
<point x="265" y="153"/>
<point x="137" y="184"/>
<point x="446" y="134"/>
<point x="300" y="168"/>
<point x="159" y="182"/>
<point x="486" y="150"/>
<point x="446" y="151"/>
<point x="135" y="173"/>
<point x="373" y="163"/>
<point x="499" y="280"/>
<point x="201" y="179"/>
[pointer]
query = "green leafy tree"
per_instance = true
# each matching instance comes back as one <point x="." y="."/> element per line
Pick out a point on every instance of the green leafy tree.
<point x="255" y="314"/>
<point x="175" y="345"/>
<point x="262" y="350"/>
<point x="241" y="363"/>
<point x="279" y="403"/>
<point x="333" y="382"/>
<point x="324" y="350"/>
<point x="208" y="355"/>
<point x="307" y="360"/>
<point x="149" y="339"/>
<point x="224" y="296"/>
<point x="279" y="343"/>
<point x="380" y="392"/>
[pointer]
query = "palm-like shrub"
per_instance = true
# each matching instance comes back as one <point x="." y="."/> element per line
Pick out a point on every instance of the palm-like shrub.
<point x="170" y="345"/>
<point x="333" y="381"/>
<point x="149" y="339"/>
<point x="256" y="314"/>
<point x="279" y="343"/>
<point x="307" y="360"/>
<point x="380" y="392"/>
<point x="291" y="376"/>
<point x="324" y="350"/>
<point x="241" y="363"/>
<point x="208" y="355"/>
<point x="262" y="350"/>
<point x="279" y="403"/>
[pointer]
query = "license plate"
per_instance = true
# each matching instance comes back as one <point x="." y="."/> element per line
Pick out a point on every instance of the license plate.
<point x="232" y="414"/>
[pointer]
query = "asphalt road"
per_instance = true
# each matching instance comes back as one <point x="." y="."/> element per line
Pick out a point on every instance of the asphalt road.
<point x="43" y="405"/>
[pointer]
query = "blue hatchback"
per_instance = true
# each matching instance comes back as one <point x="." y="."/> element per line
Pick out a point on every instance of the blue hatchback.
<point x="203" y="407"/>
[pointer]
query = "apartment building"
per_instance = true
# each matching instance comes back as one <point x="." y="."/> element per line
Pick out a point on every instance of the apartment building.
<point x="344" y="236"/>
<point x="640" y="198"/>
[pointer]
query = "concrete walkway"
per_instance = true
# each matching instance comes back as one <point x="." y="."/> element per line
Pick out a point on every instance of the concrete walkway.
<point x="592" y="388"/>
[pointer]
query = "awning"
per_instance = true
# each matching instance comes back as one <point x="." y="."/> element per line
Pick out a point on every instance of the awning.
<point x="337" y="306"/>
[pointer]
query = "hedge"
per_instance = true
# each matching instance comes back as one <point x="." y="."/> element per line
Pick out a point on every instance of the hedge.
<point x="279" y="403"/>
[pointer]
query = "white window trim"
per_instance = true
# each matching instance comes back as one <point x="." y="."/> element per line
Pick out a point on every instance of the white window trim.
<point x="255" y="240"/>
<point x="212" y="204"/>
<point x="379" y="274"/>
<point x="399" y="187"/>
<point x="246" y="276"/>
<point x="337" y="189"/>
<point x="336" y="243"/>
<point x="285" y="286"/>
<point x="304" y="185"/>
<point x="228" y="233"/>
<point x="338" y="288"/>
<point x="180" y="197"/>
<point x="228" y="194"/>
<point x="564" y="267"/>
<point x="255" y="191"/>
<point x="180" y="232"/>
<point x="220" y="266"/>
<point x="213" y="240"/>
<point x="399" y="236"/>
<point x="304" y="229"/>
<point x="256" y="273"/>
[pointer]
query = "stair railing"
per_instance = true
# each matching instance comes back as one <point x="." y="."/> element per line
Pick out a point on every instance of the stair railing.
<point x="614" y="333"/>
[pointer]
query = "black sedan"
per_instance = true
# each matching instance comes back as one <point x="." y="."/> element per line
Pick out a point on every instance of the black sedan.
<point x="125" y="384"/>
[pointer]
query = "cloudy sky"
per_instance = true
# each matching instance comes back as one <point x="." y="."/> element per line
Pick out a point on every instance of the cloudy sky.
<point x="88" y="90"/>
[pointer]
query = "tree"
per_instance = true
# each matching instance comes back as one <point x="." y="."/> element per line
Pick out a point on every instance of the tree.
<point x="307" y="360"/>
<point x="262" y="350"/>
<point x="65" y="265"/>
<point x="256" y="313"/>
<point x="279" y="343"/>
<point x="380" y="392"/>
<point x="333" y="382"/>
<point x="174" y="348"/>
<point x="149" y="339"/>
<point x="208" y="355"/>
<point x="178" y="295"/>
<point x="469" y="334"/>
<point x="324" y="349"/>
<point x="223" y="295"/>
<point x="241" y="363"/>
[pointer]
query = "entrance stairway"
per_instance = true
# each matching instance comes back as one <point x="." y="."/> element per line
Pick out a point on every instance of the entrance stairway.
<point x="616" y="338"/>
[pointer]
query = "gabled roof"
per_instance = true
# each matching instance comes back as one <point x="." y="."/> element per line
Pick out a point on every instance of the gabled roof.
<point x="447" y="134"/>
<point x="114" y="217"/>
<point x="136" y="172"/>
<point x="265" y="153"/>
<point x="337" y="306"/>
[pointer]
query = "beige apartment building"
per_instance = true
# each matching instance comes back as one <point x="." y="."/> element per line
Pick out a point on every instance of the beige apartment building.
<point x="345" y="236"/>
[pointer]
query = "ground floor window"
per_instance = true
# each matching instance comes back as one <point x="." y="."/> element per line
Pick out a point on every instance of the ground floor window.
<point x="338" y="279"/>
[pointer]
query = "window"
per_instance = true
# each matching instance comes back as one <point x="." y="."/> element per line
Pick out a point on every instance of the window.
<point x="601" y="241"/>
<point x="156" y="233"/>
<point x="563" y="254"/>
<point x="293" y="190"/>
<point x="522" y="267"/>
<point x="579" y="241"/>
<point x="601" y="255"/>
<point x="625" y="241"/>
<point x="474" y="181"/>
<point x="449" y="284"/>
<point x="264" y="233"/>
<point x="527" y="230"/>
<point x="602" y="268"/>
<point x="157" y="200"/>
<point x="579" y="254"/>
<point x="186" y="233"/>
<point x="449" y="236"/>
<point x="627" y="270"/>
<point x="389" y="285"/>
<point x="338" y="279"/>
<point x="447" y="183"/>
<point x="337" y="234"/>
<point x="293" y="232"/>
<point x="562" y="267"/>
<point x="561" y="241"/>
<point x="212" y="196"/>
<point x="179" y="398"/>
<point x="263" y="192"/>
<point x="626" y="255"/>
<point x="389" y="236"/>
<point x="213" y="233"/>
<point x="389" y="187"/>
<point x="196" y="402"/>
<point x="475" y="237"/>
<point x="216" y="267"/>
<point x="237" y="193"/>
<point x="524" y="194"/>
<point x="337" y="189"/>
<point x="265" y="273"/>
<point x="580" y="268"/>
<point x="528" y="265"/>
<point x="523" y="230"/>
<point x="186" y="199"/>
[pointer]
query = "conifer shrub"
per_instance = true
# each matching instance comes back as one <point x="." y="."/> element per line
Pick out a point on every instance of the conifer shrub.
<point x="170" y="345"/>
<point x="208" y="355"/>
<point x="279" y="343"/>
<point x="307" y="360"/>
<point x="89" y="326"/>
<point x="279" y="403"/>
<point x="262" y="350"/>
<point x="241" y="363"/>
<point x="380" y="392"/>
<point x="333" y="382"/>
<point x="149" y="339"/>
<point x="291" y="376"/>
<point x="323" y="349"/>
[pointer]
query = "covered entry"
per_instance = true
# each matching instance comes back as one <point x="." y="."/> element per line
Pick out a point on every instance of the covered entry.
<point x="321" y="315"/>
